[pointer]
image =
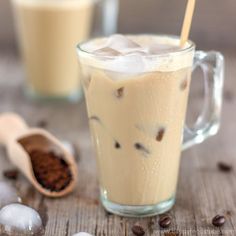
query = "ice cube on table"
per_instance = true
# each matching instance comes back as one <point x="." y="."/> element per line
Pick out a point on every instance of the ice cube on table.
<point x="8" y="194"/>
<point x="82" y="234"/>
<point x="16" y="217"/>
<point x="123" y="44"/>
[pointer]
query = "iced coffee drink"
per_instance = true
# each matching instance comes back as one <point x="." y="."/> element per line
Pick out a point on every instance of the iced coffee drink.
<point x="136" y="90"/>
<point x="48" y="32"/>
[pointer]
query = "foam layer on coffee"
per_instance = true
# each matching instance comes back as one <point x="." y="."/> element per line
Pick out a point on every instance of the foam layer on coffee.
<point x="136" y="54"/>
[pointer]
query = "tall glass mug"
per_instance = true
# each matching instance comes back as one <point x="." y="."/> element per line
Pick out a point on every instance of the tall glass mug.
<point x="48" y="31"/>
<point x="136" y="89"/>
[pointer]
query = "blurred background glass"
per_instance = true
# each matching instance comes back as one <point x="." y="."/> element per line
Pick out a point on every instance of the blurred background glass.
<point x="48" y="32"/>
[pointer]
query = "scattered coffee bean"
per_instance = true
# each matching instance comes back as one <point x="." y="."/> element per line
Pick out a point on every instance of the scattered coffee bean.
<point x="119" y="92"/>
<point x="42" y="124"/>
<point x="160" y="134"/>
<point x="11" y="174"/>
<point x="164" y="221"/>
<point x="138" y="230"/>
<point x="184" y="84"/>
<point x="224" y="167"/>
<point x="218" y="220"/>
<point x="172" y="233"/>
<point x="117" y="145"/>
<point x="140" y="147"/>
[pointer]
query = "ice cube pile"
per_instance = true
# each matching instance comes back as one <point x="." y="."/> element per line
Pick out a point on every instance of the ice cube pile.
<point x="124" y="54"/>
<point x="120" y="45"/>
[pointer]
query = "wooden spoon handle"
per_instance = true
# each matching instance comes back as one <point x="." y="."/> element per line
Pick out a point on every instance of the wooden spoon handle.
<point x="11" y="126"/>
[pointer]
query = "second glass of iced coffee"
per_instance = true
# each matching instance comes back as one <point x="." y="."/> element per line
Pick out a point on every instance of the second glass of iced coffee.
<point x="48" y="31"/>
<point x="136" y="89"/>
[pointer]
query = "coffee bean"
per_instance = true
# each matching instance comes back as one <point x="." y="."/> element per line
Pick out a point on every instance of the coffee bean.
<point x="119" y="92"/>
<point x="218" y="220"/>
<point x="138" y="230"/>
<point x="11" y="174"/>
<point x="165" y="221"/>
<point x="160" y="134"/>
<point x="224" y="167"/>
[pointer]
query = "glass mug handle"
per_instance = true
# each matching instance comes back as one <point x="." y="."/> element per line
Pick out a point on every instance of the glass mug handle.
<point x="207" y="124"/>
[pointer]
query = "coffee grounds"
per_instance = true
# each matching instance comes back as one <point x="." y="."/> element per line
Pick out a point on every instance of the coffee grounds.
<point x="50" y="170"/>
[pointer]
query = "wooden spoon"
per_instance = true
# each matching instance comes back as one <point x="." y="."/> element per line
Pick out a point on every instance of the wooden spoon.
<point x="14" y="133"/>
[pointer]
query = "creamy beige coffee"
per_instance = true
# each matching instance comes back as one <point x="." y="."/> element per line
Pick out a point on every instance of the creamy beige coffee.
<point x="48" y="32"/>
<point x="136" y="107"/>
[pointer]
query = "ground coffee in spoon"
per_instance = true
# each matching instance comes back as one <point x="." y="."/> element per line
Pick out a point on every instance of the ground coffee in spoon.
<point x="50" y="169"/>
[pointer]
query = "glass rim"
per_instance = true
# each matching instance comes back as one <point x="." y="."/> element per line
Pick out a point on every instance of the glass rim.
<point x="177" y="52"/>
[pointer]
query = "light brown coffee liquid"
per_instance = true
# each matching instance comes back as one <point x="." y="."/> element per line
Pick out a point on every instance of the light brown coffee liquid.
<point x="138" y="133"/>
